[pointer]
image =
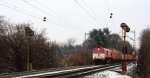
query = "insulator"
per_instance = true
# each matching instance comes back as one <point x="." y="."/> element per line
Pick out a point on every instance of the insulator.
<point x="44" y="19"/>
<point x="111" y="14"/>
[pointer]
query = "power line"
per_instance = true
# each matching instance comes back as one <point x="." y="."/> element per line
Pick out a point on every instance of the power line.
<point x="58" y="16"/>
<point x="69" y="28"/>
<point x="93" y="12"/>
<point x="108" y="6"/>
<point x="110" y="12"/>
<point x="45" y="7"/>
<point x="19" y="11"/>
<point x="18" y="8"/>
<point x="34" y="16"/>
<point x="49" y="14"/>
<point x="87" y="12"/>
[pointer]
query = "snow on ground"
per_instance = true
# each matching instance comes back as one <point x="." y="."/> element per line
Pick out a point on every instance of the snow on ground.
<point x="107" y="74"/>
<point x="130" y="69"/>
<point x="114" y="73"/>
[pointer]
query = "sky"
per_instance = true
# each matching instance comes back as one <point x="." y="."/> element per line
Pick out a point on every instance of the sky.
<point x="73" y="18"/>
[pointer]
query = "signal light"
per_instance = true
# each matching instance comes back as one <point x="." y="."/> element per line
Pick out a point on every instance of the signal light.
<point x="98" y="48"/>
<point x="125" y="27"/>
<point x="111" y="14"/>
<point x="28" y="31"/>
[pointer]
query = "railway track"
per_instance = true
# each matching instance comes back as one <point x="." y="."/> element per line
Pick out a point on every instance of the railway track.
<point x="88" y="71"/>
<point x="69" y="72"/>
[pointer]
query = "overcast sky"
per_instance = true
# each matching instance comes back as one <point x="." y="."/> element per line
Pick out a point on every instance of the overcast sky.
<point x="72" y="18"/>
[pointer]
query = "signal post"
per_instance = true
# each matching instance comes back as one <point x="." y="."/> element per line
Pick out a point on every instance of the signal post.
<point x="29" y="33"/>
<point x="126" y="29"/>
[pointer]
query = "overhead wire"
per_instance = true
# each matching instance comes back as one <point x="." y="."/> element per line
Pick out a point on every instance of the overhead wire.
<point x="108" y="6"/>
<point x="88" y="12"/>
<point x="32" y="15"/>
<point x="49" y="14"/>
<point x="68" y="28"/>
<point x="96" y="15"/>
<point x="110" y="12"/>
<point x="19" y="10"/>
<point x="58" y="16"/>
<point x="45" y="7"/>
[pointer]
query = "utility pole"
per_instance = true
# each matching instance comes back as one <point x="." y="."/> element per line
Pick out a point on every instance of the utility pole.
<point x="134" y="44"/>
<point x="85" y="35"/>
<point x="134" y="40"/>
<point x="125" y="28"/>
<point x="28" y="33"/>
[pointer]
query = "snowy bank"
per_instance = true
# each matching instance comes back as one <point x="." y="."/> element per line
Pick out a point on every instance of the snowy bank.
<point x="114" y="73"/>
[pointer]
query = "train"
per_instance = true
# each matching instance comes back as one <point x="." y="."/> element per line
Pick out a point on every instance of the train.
<point x="103" y="55"/>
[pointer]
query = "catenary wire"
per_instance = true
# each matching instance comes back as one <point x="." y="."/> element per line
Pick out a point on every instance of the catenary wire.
<point x="109" y="12"/>
<point x="87" y="12"/>
<point x="49" y="14"/>
<point x="94" y="12"/>
<point x="58" y="16"/>
<point x="35" y="16"/>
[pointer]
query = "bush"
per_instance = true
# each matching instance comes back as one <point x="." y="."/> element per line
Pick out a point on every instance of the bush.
<point x="79" y="57"/>
<point x="13" y="49"/>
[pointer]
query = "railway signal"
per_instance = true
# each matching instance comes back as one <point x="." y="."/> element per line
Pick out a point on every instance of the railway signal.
<point x="126" y="29"/>
<point x="29" y="32"/>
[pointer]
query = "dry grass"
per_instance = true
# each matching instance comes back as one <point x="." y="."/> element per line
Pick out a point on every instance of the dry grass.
<point x="77" y="58"/>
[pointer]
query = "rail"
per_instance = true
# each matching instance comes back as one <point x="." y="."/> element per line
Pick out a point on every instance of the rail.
<point x="62" y="72"/>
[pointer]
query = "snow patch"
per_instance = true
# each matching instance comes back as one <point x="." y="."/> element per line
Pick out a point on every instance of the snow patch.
<point x="114" y="73"/>
<point x="107" y="74"/>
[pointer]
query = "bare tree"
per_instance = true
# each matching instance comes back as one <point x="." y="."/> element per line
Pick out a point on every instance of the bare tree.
<point x="71" y="42"/>
<point x="13" y="49"/>
<point x="144" y="61"/>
